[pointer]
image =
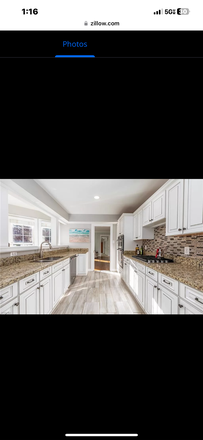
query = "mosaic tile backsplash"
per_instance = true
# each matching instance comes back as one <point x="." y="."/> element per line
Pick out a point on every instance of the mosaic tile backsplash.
<point x="174" y="245"/>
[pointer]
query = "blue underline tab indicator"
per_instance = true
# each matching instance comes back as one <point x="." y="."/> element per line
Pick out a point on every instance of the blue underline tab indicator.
<point x="74" y="56"/>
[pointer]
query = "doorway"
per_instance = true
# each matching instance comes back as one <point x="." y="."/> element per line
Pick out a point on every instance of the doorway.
<point x="102" y="248"/>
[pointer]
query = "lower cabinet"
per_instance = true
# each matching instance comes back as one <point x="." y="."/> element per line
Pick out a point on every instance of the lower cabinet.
<point x="11" y="308"/>
<point x="45" y="296"/>
<point x="141" y="288"/>
<point x="82" y="264"/>
<point x="167" y="302"/>
<point x="29" y="301"/>
<point x="151" y="303"/>
<point x="66" y="277"/>
<point x="57" y="286"/>
<point x="187" y="309"/>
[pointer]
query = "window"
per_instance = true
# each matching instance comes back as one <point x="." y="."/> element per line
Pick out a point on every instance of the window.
<point x="21" y="231"/>
<point x="45" y="231"/>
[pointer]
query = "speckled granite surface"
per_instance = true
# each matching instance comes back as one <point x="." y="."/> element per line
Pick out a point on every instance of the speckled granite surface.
<point x="13" y="272"/>
<point x="187" y="274"/>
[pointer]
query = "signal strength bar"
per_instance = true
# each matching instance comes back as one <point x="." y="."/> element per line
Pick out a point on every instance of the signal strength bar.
<point x="160" y="11"/>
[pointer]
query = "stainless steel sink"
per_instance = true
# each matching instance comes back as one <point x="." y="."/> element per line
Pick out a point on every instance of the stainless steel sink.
<point x="44" y="260"/>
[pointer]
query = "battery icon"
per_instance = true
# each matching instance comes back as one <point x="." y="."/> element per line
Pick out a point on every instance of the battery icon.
<point x="183" y="11"/>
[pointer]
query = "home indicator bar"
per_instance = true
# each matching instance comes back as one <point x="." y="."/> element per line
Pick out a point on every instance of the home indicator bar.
<point x="75" y="56"/>
<point x="101" y="435"/>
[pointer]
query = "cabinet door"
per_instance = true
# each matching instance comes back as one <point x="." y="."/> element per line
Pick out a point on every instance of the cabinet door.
<point x="135" y="227"/>
<point x="131" y="276"/>
<point x="82" y="264"/>
<point x="174" y="208"/>
<point x="122" y="225"/>
<point x="45" y="296"/>
<point x="119" y="227"/>
<point x="11" y="308"/>
<point x="141" y="287"/>
<point x="29" y="301"/>
<point x="151" y="296"/>
<point x="57" y="286"/>
<point x="167" y="302"/>
<point x="66" y="277"/>
<point x="146" y="214"/>
<point x="158" y="207"/>
<point x="135" y="283"/>
<point x="193" y="206"/>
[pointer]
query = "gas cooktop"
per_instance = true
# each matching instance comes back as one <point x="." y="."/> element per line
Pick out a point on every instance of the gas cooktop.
<point x="152" y="259"/>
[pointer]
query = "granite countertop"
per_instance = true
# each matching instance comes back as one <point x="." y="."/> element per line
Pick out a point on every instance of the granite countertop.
<point x="14" y="272"/>
<point x="191" y="276"/>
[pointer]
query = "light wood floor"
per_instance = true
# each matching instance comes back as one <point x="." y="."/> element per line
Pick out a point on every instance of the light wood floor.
<point x="98" y="293"/>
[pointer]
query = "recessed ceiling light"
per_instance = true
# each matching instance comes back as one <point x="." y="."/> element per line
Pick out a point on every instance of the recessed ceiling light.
<point x="96" y="197"/>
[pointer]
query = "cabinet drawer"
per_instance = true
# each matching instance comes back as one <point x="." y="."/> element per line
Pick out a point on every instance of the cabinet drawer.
<point x="168" y="282"/>
<point x="44" y="273"/>
<point x="151" y="273"/>
<point x="141" y="267"/>
<point x="10" y="308"/>
<point x="185" y="308"/>
<point x="57" y="266"/>
<point x="7" y="293"/>
<point x="193" y="296"/>
<point x="28" y="282"/>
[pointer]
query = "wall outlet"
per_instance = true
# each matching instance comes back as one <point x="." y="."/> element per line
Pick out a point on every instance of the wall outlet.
<point x="187" y="250"/>
<point x="13" y="254"/>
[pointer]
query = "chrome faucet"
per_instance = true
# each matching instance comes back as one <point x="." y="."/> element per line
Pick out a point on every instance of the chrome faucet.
<point x="41" y="251"/>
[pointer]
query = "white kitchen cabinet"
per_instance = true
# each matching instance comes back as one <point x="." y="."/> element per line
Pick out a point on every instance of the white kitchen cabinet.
<point x="192" y="296"/>
<point x="126" y="269"/>
<point x="138" y="225"/>
<point x="125" y="227"/>
<point x="187" y="309"/>
<point x="57" y="286"/>
<point x="146" y="214"/>
<point x="8" y="293"/>
<point x="10" y="308"/>
<point x="193" y="206"/>
<point x="174" y="208"/>
<point x="158" y="207"/>
<point x="139" y="232"/>
<point x="29" y="301"/>
<point x="82" y="264"/>
<point x="141" y="288"/>
<point x="167" y="301"/>
<point x="45" y="296"/>
<point x="154" y="211"/>
<point x="151" y="304"/>
<point x="66" y="276"/>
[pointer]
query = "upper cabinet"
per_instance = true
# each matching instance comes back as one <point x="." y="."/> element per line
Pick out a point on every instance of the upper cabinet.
<point x="193" y="206"/>
<point x="139" y="231"/>
<point x="154" y="211"/>
<point x="184" y="207"/>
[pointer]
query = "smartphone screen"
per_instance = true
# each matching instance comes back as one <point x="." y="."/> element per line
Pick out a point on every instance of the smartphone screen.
<point x="101" y="28"/>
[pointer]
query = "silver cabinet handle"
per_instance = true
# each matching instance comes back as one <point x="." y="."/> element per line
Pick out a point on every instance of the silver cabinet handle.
<point x="1" y="297"/>
<point x="151" y="273"/>
<point x="155" y="286"/>
<point x="16" y="304"/>
<point x="41" y="285"/>
<point x="135" y="271"/>
<point x="44" y="273"/>
<point x="179" y="229"/>
<point x="180" y="305"/>
<point x="184" y="229"/>
<point x="31" y="281"/>
<point x="197" y="299"/>
<point x="63" y="270"/>
<point x="167" y="282"/>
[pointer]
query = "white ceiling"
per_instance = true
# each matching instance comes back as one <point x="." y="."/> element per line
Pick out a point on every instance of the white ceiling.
<point x="76" y="196"/>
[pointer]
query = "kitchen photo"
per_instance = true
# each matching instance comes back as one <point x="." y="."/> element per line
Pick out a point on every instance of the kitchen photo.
<point x="101" y="246"/>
